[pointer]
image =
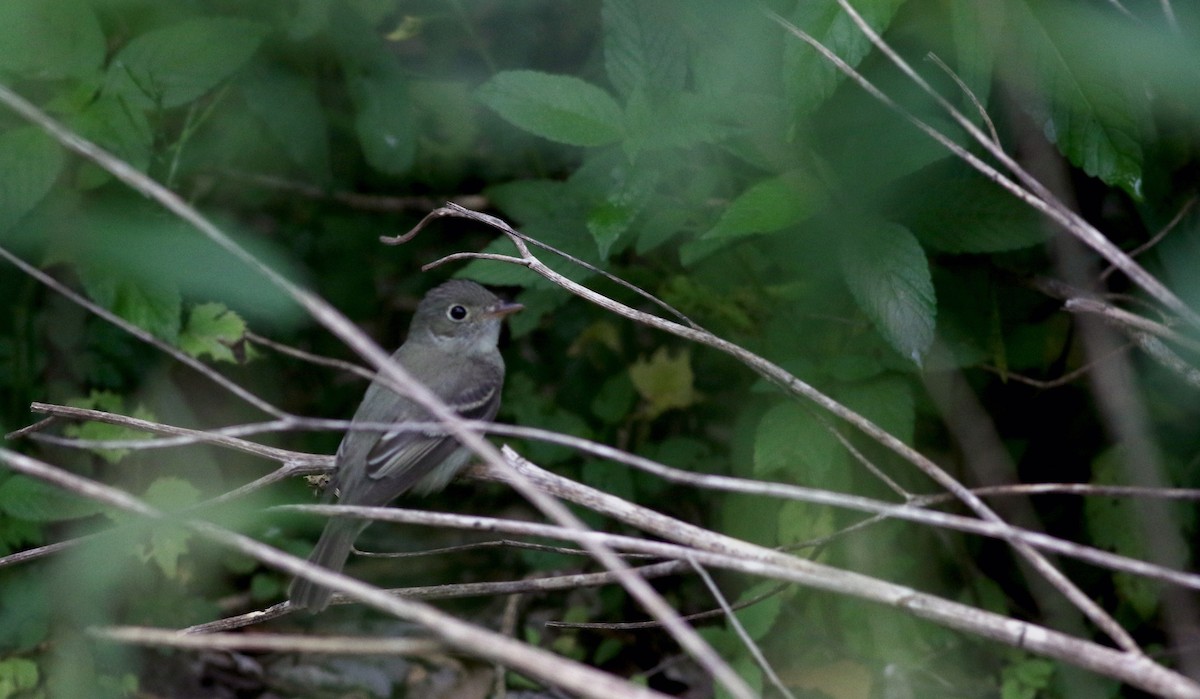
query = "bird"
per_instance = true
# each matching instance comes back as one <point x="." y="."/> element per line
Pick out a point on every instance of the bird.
<point x="451" y="347"/>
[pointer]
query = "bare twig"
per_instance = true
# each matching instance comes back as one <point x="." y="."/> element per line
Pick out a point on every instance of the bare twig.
<point x="286" y="643"/>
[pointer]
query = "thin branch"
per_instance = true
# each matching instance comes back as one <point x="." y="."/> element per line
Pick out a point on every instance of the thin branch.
<point x="795" y="386"/>
<point x="535" y="662"/>
<point x="1157" y="238"/>
<point x="736" y="623"/>
<point x="354" y="200"/>
<point x="284" y="643"/>
<point x="640" y="625"/>
<point x="325" y="314"/>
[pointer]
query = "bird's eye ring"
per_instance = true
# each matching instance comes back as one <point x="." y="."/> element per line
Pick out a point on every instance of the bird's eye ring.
<point x="456" y="312"/>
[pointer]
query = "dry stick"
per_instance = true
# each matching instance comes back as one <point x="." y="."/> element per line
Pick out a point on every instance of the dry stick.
<point x="347" y="332"/>
<point x="637" y="625"/>
<point x="782" y="377"/>
<point x="1157" y="237"/>
<point x="912" y="511"/>
<point x="719" y="550"/>
<point x="534" y="662"/>
<point x="453" y="591"/>
<point x="286" y="643"/>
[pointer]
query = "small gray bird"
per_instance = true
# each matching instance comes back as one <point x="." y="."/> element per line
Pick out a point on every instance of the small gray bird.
<point x="451" y="348"/>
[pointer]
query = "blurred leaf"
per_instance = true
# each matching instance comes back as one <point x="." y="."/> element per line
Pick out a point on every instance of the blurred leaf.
<point x="108" y="402"/>
<point x="886" y="401"/>
<point x="888" y="276"/>
<point x="609" y="476"/>
<point x="970" y="214"/>
<point x="32" y="500"/>
<point x="29" y="165"/>
<point x="1113" y="524"/>
<point x="1093" y="118"/>
<point x="168" y="541"/>
<point x="384" y="121"/>
<point x="792" y="443"/>
<point x="561" y="108"/>
<point x="770" y="205"/>
<point x="17" y="675"/>
<point x="173" y="65"/>
<point x="758" y="618"/>
<point x="809" y="78"/>
<point x="153" y="308"/>
<point x="124" y="132"/>
<point x="803" y="523"/>
<point x="643" y="47"/>
<point x="49" y="39"/>
<point x="288" y="107"/>
<point x="1026" y="678"/>
<point x="615" y="399"/>
<point x="664" y="381"/>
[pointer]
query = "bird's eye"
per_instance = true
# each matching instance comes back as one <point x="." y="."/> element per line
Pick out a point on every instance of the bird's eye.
<point x="456" y="312"/>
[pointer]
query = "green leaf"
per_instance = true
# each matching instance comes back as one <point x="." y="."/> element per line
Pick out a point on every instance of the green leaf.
<point x="560" y="108"/>
<point x="643" y="47"/>
<point x="32" y="500"/>
<point x="100" y="431"/>
<point x="17" y="675"/>
<point x="1095" y="117"/>
<point x="664" y="381"/>
<point x="213" y="330"/>
<point x="1112" y="524"/>
<point x="384" y="121"/>
<point x="168" y="542"/>
<point x="124" y="132"/>
<point x="809" y="78"/>
<point x="29" y="165"/>
<point x="49" y="39"/>
<point x="790" y="442"/>
<point x="614" y="399"/>
<point x="174" y="65"/>
<point x="770" y="205"/>
<point x="888" y="275"/>
<point x="155" y="308"/>
<point x="969" y="214"/>
<point x="886" y="401"/>
<point x="286" y="103"/>
<point x="758" y="618"/>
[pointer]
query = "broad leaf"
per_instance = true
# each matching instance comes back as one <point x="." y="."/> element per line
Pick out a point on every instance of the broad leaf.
<point x="643" y="48"/>
<point x="29" y="164"/>
<point x="49" y="39"/>
<point x="888" y="275"/>
<point x="665" y="381"/>
<point x="770" y="205"/>
<point x="561" y="108"/>
<point x="30" y="499"/>
<point x="790" y="442"/>
<point x="174" y="65"/>
<point x="213" y="330"/>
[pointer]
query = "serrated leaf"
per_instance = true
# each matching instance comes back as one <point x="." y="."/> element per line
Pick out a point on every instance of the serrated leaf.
<point x="1095" y="117"/>
<point x="789" y="441"/>
<point x="168" y="542"/>
<point x="560" y="108"/>
<point x="49" y="39"/>
<point x="642" y="46"/>
<point x="770" y="205"/>
<point x="664" y="381"/>
<point x="213" y="330"/>
<point x="810" y="79"/>
<point x="174" y="65"/>
<point x="32" y="500"/>
<point x="154" y="308"/>
<point x="888" y="275"/>
<point x="29" y="164"/>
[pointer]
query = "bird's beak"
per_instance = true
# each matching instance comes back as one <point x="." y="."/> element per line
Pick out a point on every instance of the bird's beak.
<point x="503" y="308"/>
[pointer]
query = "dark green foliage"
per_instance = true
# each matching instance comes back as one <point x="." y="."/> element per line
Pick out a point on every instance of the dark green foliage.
<point x="695" y="148"/>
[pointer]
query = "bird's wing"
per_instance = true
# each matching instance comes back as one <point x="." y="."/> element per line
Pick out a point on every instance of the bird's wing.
<point x="400" y="453"/>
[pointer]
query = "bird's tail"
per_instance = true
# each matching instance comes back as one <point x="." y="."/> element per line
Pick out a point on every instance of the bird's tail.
<point x="331" y="552"/>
